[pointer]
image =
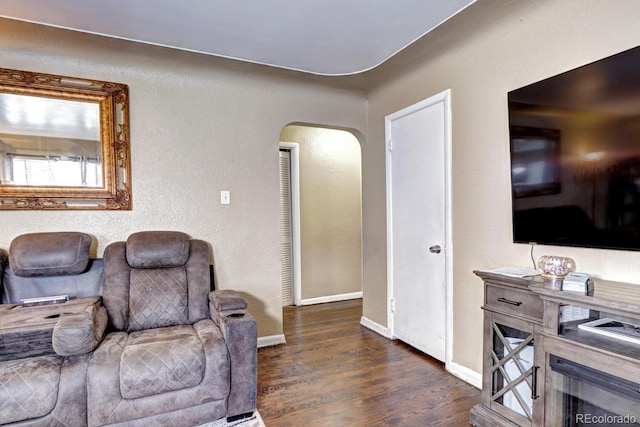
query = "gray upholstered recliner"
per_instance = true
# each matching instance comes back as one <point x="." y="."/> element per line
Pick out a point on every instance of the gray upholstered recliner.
<point x="178" y="355"/>
<point x="45" y="349"/>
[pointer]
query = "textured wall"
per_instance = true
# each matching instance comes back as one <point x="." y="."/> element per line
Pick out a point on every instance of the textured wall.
<point x="198" y="125"/>
<point x="330" y="210"/>
<point x="486" y="51"/>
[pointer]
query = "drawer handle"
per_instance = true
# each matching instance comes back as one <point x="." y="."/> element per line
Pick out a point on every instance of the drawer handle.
<point x="534" y="382"/>
<point x="508" y="301"/>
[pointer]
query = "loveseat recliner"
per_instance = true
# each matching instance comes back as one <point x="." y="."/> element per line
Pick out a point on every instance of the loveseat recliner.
<point x="177" y="354"/>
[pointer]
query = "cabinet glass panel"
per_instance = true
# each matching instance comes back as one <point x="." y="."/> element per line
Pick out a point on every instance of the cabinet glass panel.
<point x="512" y="367"/>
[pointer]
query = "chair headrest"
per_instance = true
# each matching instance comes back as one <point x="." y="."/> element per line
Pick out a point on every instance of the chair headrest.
<point x="154" y="249"/>
<point x="49" y="254"/>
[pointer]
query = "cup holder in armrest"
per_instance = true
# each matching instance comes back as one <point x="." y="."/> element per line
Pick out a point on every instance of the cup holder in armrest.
<point x="235" y="315"/>
<point x="55" y="315"/>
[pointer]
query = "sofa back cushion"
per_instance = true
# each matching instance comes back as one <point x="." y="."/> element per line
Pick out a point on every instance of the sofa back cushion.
<point x="158" y="298"/>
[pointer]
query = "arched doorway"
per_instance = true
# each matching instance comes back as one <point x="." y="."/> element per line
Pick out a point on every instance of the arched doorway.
<point x="326" y="242"/>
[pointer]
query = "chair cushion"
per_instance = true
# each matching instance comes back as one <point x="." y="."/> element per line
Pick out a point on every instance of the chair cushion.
<point x="28" y="387"/>
<point x="49" y="254"/>
<point x="157" y="298"/>
<point x="153" y="249"/>
<point x="161" y="360"/>
<point x="106" y="404"/>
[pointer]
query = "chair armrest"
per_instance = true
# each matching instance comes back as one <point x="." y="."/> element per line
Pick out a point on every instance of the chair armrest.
<point x="80" y="333"/>
<point x="226" y="299"/>
<point x="228" y="311"/>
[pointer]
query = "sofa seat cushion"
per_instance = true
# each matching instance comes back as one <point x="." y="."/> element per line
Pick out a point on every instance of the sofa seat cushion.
<point x="29" y="387"/>
<point x="107" y="404"/>
<point x="160" y="360"/>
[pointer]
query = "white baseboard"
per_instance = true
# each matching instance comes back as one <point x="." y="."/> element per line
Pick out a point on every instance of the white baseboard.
<point x="465" y="374"/>
<point x="331" y="298"/>
<point x="376" y="327"/>
<point x="271" y="340"/>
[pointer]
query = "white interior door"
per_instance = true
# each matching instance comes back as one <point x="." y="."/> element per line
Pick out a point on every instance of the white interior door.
<point x="417" y="215"/>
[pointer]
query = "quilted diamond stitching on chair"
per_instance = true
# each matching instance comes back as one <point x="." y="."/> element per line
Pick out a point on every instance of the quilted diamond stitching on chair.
<point x="158" y="298"/>
<point x="28" y="387"/>
<point x="161" y="360"/>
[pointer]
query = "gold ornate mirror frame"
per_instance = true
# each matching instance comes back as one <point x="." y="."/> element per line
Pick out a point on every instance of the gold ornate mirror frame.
<point x="49" y="101"/>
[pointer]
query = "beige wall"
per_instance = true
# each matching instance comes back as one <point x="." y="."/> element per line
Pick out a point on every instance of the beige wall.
<point x="481" y="60"/>
<point x="330" y="210"/>
<point x="198" y="125"/>
<point x="201" y="125"/>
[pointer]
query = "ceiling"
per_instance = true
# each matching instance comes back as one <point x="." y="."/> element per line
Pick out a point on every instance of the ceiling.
<point x="324" y="37"/>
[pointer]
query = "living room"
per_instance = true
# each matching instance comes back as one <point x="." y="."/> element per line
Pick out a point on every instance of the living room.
<point x="202" y="124"/>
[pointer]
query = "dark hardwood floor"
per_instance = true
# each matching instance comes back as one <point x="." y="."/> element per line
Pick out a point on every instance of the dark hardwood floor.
<point x="334" y="372"/>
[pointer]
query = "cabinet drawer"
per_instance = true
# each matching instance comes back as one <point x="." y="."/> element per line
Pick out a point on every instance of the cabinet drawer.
<point x="511" y="300"/>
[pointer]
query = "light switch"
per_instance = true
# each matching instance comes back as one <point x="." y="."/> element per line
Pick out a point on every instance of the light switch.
<point x="225" y="197"/>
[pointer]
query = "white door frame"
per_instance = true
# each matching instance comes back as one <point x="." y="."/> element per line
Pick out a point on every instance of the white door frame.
<point x="445" y="98"/>
<point x="294" y="148"/>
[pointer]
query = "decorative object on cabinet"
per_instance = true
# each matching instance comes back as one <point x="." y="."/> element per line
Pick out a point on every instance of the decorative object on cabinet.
<point x="64" y="143"/>
<point x="556" y="266"/>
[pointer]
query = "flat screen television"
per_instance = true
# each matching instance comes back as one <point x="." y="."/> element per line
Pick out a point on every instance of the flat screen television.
<point x="575" y="156"/>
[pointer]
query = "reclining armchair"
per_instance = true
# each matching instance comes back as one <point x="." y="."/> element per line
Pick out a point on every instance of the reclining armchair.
<point x="177" y="354"/>
<point x="45" y="349"/>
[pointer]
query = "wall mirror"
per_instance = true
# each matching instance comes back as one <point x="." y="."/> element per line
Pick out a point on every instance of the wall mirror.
<point x="64" y="143"/>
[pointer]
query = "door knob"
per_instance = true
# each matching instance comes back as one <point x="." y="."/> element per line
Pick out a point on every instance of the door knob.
<point x="436" y="249"/>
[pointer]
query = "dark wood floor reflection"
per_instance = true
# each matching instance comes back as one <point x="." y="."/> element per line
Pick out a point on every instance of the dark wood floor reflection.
<point x="334" y="372"/>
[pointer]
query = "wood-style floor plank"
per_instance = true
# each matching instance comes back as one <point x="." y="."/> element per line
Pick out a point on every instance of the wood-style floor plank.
<point x="334" y="372"/>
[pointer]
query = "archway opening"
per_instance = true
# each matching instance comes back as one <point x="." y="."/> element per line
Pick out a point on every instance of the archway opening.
<point x="325" y="176"/>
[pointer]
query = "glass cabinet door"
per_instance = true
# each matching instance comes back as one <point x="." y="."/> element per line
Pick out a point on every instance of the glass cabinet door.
<point x="513" y="368"/>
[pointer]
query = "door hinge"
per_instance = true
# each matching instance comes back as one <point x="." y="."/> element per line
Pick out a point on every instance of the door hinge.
<point x="392" y="306"/>
<point x="390" y="145"/>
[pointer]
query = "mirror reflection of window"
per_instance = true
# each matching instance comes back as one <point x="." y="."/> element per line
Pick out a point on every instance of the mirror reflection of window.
<point x="79" y="172"/>
<point x="49" y="142"/>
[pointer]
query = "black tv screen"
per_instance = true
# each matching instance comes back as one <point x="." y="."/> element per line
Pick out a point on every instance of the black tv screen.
<point x="575" y="156"/>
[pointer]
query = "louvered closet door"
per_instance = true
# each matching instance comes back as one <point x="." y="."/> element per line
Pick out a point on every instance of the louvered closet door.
<point x="286" y="233"/>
